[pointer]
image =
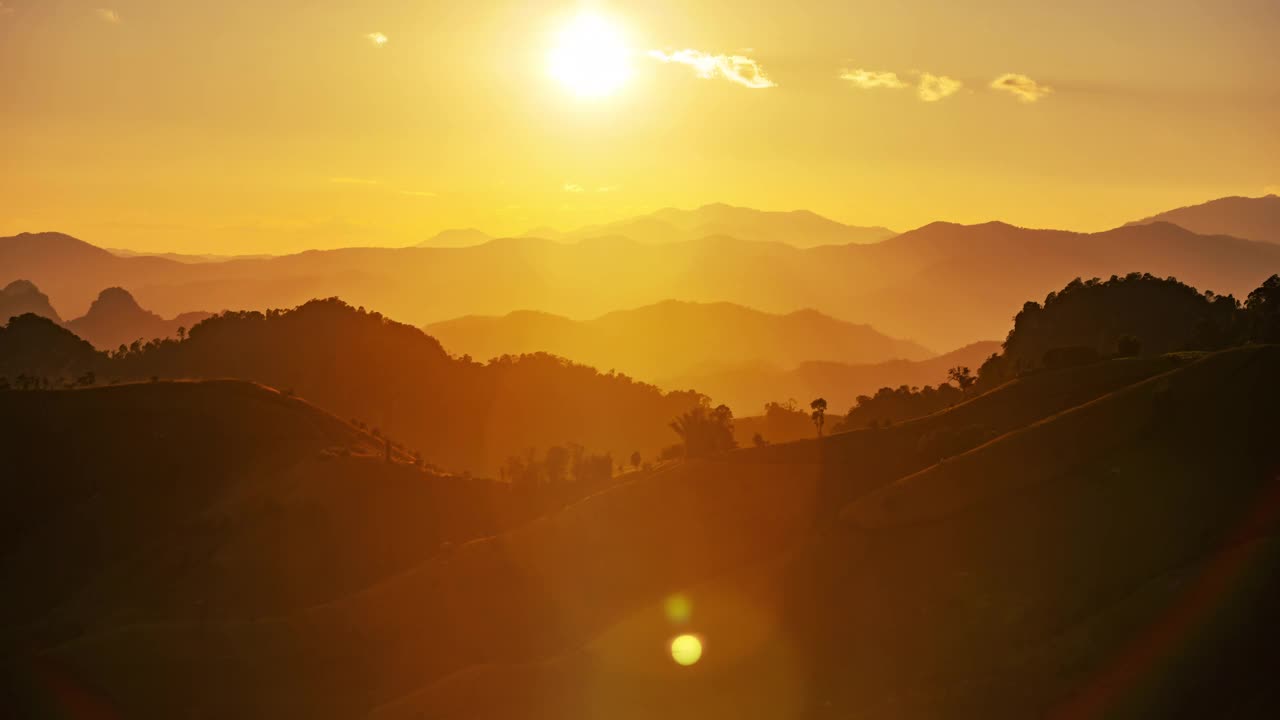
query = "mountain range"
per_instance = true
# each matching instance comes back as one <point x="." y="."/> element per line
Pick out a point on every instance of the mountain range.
<point x="113" y="319"/>
<point x="671" y="340"/>
<point x="750" y="387"/>
<point x="798" y="228"/>
<point x="942" y="285"/>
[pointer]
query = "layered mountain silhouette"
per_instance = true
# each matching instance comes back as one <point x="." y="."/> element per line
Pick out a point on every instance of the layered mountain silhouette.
<point x="799" y="228"/>
<point x="459" y="414"/>
<point x="1108" y="551"/>
<point x="1243" y="217"/>
<point x="942" y="285"/>
<point x="670" y="341"/>
<point x="21" y="297"/>
<point x="749" y="387"/>
<point x="115" y="319"/>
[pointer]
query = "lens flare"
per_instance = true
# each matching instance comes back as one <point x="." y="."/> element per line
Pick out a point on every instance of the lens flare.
<point x="678" y="608"/>
<point x="686" y="650"/>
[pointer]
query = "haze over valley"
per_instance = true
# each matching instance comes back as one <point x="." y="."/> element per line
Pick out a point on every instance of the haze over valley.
<point x="687" y="360"/>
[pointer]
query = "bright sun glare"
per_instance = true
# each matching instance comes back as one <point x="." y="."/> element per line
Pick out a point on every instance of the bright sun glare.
<point x="591" y="57"/>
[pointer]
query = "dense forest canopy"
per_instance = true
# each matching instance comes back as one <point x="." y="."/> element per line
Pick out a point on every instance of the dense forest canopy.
<point x="1135" y="314"/>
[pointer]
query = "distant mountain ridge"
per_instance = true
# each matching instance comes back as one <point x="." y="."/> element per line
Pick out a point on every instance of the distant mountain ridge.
<point x="1242" y="217"/>
<point x="673" y="338"/>
<point x="799" y="228"/>
<point x="748" y="388"/>
<point x="942" y="285"/>
<point x="465" y="237"/>
<point x="184" y="257"/>
<point x="113" y="319"/>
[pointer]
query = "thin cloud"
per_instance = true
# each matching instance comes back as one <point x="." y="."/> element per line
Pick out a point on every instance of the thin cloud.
<point x="872" y="79"/>
<point x="573" y="188"/>
<point x="417" y="193"/>
<point x="1021" y="86"/>
<point x="737" y="69"/>
<point x="108" y="15"/>
<point x="354" y="181"/>
<point x="608" y="188"/>
<point x="5" y="9"/>
<point x="933" y="88"/>
<point x="377" y="38"/>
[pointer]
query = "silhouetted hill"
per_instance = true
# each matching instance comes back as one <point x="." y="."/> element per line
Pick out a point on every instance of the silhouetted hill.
<point x="34" y="345"/>
<point x="460" y="414"/>
<point x="942" y="285"/>
<point x="1242" y="217"/>
<point x="21" y="297"/>
<point x="1130" y="315"/>
<point x="1108" y="551"/>
<point x="671" y="341"/>
<point x="115" y="319"/>
<point x="232" y="500"/>
<point x="799" y="228"/>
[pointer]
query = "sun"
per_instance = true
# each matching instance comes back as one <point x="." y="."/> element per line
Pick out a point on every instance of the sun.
<point x="591" y="58"/>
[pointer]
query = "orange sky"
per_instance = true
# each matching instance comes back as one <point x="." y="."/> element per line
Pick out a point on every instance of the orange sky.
<point x="243" y="127"/>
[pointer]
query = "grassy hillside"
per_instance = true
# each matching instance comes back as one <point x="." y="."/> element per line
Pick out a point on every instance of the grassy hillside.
<point x="211" y="500"/>
<point x="1110" y="549"/>
<point x="1130" y="577"/>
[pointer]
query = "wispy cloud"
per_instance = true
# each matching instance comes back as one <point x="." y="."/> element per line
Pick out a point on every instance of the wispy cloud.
<point x="735" y="68"/>
<point x="872" y="79"/>
<point x="1023" y="87"/>
<point x="417" y="193"/>
<point x="354" y="181"/>
<point x="377" y="38"/>
<point x="573" y="188"/>
<point x="933" y="88"/>
<point x="108" y="15"/>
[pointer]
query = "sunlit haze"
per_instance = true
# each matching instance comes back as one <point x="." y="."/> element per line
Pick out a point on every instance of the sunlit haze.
<point x="249" y="127"/>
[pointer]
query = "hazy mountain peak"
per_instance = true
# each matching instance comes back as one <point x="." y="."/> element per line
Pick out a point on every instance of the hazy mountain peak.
<point x="20" y="287"/>
<point x="116" y="318"/>
<point x="1243" y="217"/>
<point x="22" y="296"/>
<point x="114" y="299"/>
<point x="459" y="237"/>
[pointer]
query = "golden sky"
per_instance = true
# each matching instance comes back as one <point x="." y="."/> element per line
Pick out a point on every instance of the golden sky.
<point x="243" y="126"/>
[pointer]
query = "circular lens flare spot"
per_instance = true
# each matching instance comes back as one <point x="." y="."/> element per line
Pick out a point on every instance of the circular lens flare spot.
<point x="686" y="650"/>
<point x="678" y="609"/>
